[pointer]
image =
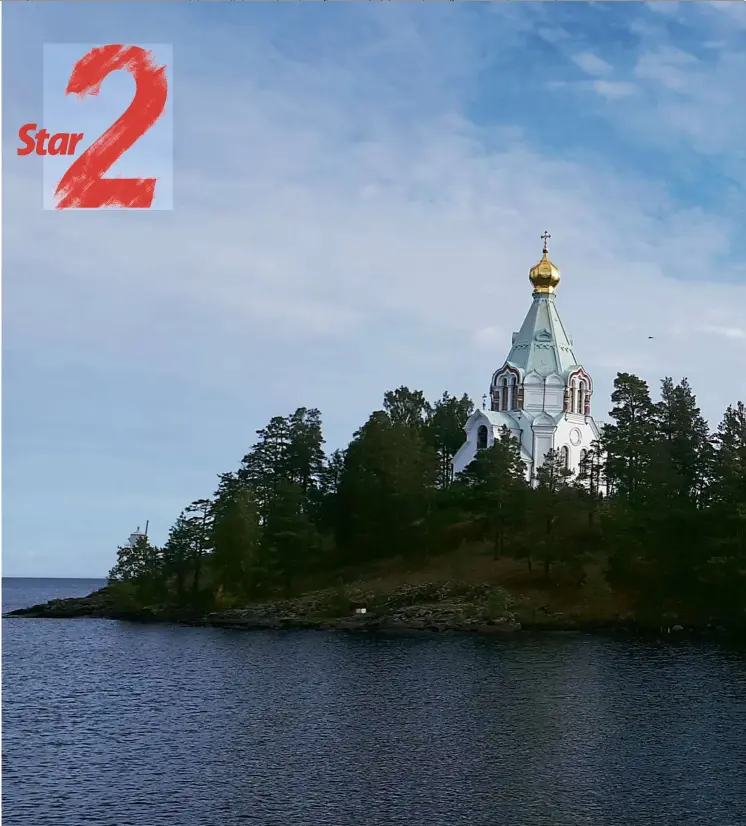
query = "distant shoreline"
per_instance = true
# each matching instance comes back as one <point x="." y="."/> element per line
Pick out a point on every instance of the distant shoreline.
<point x="437" y="617"/>
<point x="63" y="578"/>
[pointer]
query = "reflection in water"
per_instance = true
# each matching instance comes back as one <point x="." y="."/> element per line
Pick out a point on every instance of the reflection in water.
<point x="108" y="723"/>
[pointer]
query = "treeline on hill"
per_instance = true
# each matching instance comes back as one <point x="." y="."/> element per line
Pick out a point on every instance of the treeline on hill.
<point x="660" y="501"/>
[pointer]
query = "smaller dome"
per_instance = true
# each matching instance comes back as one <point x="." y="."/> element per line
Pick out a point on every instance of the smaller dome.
<point x="544" y="276"/>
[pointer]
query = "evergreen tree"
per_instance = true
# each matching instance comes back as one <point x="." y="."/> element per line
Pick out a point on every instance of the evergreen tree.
<point x="179" y="553"/>
<point x="626" y="443"/>
<point x="386" y="491"/>
<point x="444" y="431"/>
<point x="290" y="541"/>
<point x="327" y="513"/>
<point x="556" y="513"/>
<point x="136" y="561"/>
<point x="289" y="451"/>
<point x="199" y="519"/>
<point x="728" y="487"/>
<point x="492" y="490"/>
<point x="268" y="464"/>
<point x="724" y="575"/>
<point x="305" y="450"/>
<point x="333" y="472"/>
<point x="406" y="407"/>
<point x="236" y="537"/>
<point x="686" y="436"/>
<point x="137" y="574"/>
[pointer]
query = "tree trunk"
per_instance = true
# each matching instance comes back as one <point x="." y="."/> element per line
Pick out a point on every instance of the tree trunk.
<point x="500" y="534"/>
<point x="197" y="573"/>
<point x="499" y="543"/>
<point x="180" y="581"/>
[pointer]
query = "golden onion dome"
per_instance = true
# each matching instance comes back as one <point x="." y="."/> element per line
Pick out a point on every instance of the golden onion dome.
<point x="544" y="276"/>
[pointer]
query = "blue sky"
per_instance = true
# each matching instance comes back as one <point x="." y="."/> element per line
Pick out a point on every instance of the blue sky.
<point x="359" y="191"/>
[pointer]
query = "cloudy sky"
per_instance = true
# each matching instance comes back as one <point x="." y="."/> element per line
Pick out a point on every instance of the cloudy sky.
<point x="358" y="194"/>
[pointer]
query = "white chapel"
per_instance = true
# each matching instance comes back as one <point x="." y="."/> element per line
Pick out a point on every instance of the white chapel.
<point x="541" y="393"/>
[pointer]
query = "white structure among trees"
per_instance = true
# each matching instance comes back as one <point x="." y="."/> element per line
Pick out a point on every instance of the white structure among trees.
<point x="541" y="393"/>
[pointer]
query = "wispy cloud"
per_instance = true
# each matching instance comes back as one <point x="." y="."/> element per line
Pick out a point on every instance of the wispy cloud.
<point x="614" y="89"/>
<point x="733" y="333"/>
<point x="592" y="64"/>
<point x="667" y="67"/>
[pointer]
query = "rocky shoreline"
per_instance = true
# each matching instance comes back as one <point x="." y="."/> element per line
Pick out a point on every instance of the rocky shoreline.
<point x="433" y="608"/>
<point x="99" y="604"/>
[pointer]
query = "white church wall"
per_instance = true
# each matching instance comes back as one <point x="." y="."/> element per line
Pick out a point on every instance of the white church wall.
<point x="463" y="456"/>
<point x="468" y="449"/>
<point x="535" y="441"/>
<point x="526" y="435"/>
<point x="554" y="395"/>
<point x="543" y="442"/>
<point x="542" y="394"/>
<point x="533" y="393"/>
<point x="576" y="436"/>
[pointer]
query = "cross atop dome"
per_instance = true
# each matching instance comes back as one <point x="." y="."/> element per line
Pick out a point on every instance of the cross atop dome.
<point x="545" y="237"/>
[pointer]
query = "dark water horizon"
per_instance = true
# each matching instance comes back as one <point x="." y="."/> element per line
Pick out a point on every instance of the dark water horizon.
<point x="25" y="591"/>
<point x="116" y="724"/>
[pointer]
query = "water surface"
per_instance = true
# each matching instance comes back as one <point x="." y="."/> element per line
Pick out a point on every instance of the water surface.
<point x="110" y="724"/>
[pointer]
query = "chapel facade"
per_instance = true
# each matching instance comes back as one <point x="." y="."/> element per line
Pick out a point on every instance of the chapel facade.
<point x="541" y="392"/>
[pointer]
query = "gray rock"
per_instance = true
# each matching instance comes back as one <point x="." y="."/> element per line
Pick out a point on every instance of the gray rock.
<point x="499" y="628"/>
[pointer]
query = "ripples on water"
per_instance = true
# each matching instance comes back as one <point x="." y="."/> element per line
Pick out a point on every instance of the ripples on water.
<point x="111" y="724"/>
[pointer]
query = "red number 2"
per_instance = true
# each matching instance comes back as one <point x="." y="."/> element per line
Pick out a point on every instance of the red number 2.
<point x="83" y="185"/>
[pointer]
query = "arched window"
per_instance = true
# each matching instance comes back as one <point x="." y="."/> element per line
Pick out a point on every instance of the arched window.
<point x="582" y="389"/>
<point x="511" y="393"/>
<point x="504" y="393"/>
<point x="482" y="437"/>
<point x="574" y="396"/>
<point x="565" y="456"/>
<point x="583" y="457"/>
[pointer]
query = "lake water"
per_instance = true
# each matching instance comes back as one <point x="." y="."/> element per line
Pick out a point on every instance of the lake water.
<point x="113" y="724"/>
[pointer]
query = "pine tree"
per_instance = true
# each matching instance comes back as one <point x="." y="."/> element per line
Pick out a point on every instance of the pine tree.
<point x="290" y="541"/>
<point x="199" y="519"/>
<point x="386" y="491"/>
<point x="235" y="536"/>
<point x="305" y="450"/>
<point x="333" y="472"/>
<point x="326" y="515"/>
<point x="626" y="442"/>
<point x="686" y="436"/>
<point x="556" y="514"/>
<point x="492" y="490"/>
<point x="444" y="431"/>
<point x="179" y="553"/>
<point x="268" y="464"/>
<point x="725" y="572"/>
<point x="289" y="451"/>
<point x="728" y="487"/>
<point x="138" y="573"/>
<point x="406" y="407"/>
